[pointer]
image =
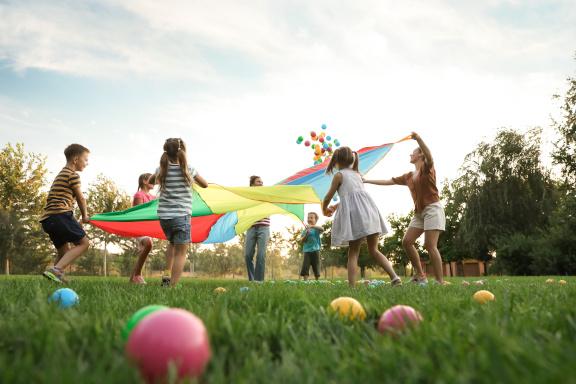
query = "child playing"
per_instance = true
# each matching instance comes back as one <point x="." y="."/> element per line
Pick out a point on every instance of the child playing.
<point x="175" y="205"/>
<point x="145" y="242"/>
<point x="58" y="220"/>
<point x="311" y="247"/>
<point x="357" y="216"/>
<point x="429" y="217"/>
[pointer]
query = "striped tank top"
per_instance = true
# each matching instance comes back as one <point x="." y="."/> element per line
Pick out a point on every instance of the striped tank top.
<point x="176" y="198"/>
<point x="61" y="196"/>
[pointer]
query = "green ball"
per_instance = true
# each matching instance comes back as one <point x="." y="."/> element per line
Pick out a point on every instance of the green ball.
<point x="137" y="317"/>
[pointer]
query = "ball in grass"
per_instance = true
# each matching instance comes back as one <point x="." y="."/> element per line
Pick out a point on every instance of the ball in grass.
<point x="550" y="281"/>
<point x="171" y="337"/>
<point x="64" y="297"/>
<point x="465" y="283"/>
<point x="483" y="296"/>
<point x="219" y="290"/>
<point x="244" y="289"/>
<point x="398" y="318"/>
<point x="479" y="282"/>
<point x="137" y="317"/>
<point x="348" y="307"/>
<point x="561" y="282"/>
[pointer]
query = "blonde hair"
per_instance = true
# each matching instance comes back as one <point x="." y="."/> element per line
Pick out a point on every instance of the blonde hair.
<point x="174" y="150"/>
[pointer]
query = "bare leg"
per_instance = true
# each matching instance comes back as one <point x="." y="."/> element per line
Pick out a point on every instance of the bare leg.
<point x="380" y="258"/>
<point x="169" y="257"/>
<point x="145" y="246"/>
<point x="72" y="253"/>
<point x="62" y="251"/>
<point x="179" y="260"/>
<point x="353" y="253"/>
<point x="431" y="245"/>
<point x="410" y="237"/>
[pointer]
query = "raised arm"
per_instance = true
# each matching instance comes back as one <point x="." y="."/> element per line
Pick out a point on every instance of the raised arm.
<point x="81" y="203"/>
<point x="336" y="181"/>
<point x="424" y="148"/>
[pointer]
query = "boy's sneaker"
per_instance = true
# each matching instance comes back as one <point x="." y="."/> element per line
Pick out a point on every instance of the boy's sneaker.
<point x="55" y="274"/>
<point x="137" y="279"/>
<point x="396" y="282"/>
<point x="165" y="281"/>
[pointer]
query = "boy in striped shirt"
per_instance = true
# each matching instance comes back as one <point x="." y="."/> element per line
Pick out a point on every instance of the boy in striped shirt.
<point x="58" y="220"/>
<point x="257" y="237"/>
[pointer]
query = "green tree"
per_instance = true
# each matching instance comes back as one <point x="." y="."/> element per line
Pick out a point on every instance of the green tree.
<point x="392" y="243"/>
<point x="503" y="189"/>
<point x="22" y="178"/>
<point x="104" y="196"/>
<point x="564" y="153"/>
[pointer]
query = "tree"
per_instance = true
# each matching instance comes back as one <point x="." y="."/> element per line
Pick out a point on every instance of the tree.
<point x="503" y="189"/>
<point x="274" y="254"/>
<point x="565" y="148"/>
<point x="104" y="196"/>
<point x="392" y="243"/>
<point x="22" y="177"/>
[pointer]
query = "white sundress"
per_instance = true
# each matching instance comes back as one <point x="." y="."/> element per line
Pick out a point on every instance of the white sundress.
<point x="357" y="215"/>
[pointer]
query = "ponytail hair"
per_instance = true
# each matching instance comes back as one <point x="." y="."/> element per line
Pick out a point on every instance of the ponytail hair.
<point x="175" y="151"/>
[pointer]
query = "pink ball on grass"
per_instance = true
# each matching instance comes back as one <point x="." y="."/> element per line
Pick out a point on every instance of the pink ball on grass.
<point x="398" y="318"/>
<point x="169" y="336"/>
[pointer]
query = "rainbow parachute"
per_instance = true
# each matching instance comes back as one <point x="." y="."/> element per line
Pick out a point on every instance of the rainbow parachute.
<point x="221" y="213"/>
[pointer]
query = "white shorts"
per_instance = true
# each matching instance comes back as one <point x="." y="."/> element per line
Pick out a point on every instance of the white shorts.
<point x="431" y="218"/>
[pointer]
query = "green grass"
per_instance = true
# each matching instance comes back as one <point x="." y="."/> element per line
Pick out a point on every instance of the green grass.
<point x="284" y="333"/>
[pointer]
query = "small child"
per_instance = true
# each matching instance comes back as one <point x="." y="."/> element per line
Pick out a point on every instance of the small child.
<point x="142" y="196"/>
<point x="58" y="220"/>
<point x="357" y="217"/>
<point x="175" y="205"/>
<point x="311" y="247"/>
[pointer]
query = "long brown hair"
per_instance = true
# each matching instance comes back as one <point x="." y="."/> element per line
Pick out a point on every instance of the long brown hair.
<point x="343" y="157"/>
<point x="141" y="179"/>
<point x="175" y="151"/>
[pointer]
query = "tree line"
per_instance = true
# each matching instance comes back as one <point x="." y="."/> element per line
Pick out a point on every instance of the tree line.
<point x="505" y="205"/>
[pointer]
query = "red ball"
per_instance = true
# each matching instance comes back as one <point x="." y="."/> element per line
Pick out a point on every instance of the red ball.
<point x="307" y="143"/>
<point x="312" y="134"/>
<point x="398" y="318"/>
<point x="169" y="336"/>
<point x="321" y="139"/>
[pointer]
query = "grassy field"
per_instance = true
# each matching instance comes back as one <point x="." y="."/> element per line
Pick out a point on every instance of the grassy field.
<point x="284" y="333"/>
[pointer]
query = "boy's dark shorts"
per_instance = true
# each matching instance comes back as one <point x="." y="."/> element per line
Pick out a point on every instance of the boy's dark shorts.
<point x="63" y="228"/>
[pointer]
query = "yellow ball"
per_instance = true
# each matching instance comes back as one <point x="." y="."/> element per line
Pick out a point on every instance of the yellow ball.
<point x="220" y="290"/>
<point x="348" y="307"/>
<point x="562" y="282"/>
<point x="550" y="281"/>
<point x="483" y="296"/>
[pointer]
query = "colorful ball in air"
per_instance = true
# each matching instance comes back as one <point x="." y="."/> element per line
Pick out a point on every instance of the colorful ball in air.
<point x="307" y="143"/>
<point x="321" y="139"/>
<point x="323" y="126"/>
<point x="398" y="318"/>
<point x="328" y="138"/>
<point x="171" y="337"/>
<point x="137" y="317"/>
<point x="299" y="140"/>
<point x="483" y="296"/>
<point x="219" y="290"/>
<point x="64" y="297"/>
<point x="347" y="307"/>
<point x="312" y="134"/>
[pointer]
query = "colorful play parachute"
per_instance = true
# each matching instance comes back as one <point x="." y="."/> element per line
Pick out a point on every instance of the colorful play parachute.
<point x="221" y="213"/>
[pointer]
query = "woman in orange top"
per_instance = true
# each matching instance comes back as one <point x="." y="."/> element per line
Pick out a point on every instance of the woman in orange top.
<point x="429" y="215"/>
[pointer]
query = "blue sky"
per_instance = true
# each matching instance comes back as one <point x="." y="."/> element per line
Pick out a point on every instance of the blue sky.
<point x="239" y="81"/>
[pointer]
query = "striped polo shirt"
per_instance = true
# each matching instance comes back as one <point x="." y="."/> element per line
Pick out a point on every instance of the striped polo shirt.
<point x="61" y="196"/>
<point x="265" y="222"/>
<point x="176" y="198"/>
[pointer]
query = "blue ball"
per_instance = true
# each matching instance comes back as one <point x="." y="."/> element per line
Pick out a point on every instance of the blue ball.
<point x="64" y="297"/>
<point x="244" y="289"/>
<point x="323" y="126"/>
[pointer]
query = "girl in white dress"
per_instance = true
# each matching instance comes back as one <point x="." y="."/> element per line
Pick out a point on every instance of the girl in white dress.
<point x="357" y="217"/>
